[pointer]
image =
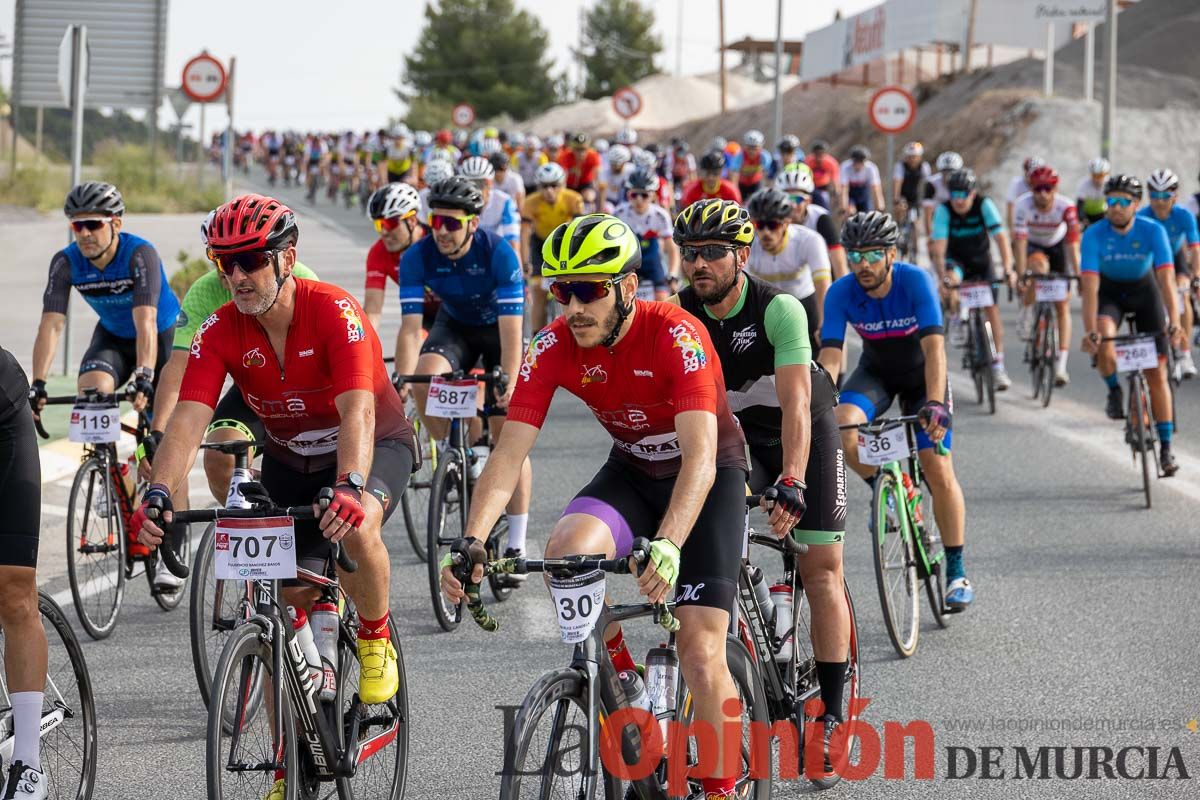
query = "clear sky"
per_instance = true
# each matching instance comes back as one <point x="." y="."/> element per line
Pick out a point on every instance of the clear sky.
<point x="314" y="64"/>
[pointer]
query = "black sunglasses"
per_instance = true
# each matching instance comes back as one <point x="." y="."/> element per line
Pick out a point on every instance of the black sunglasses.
<point x="248" y="261"/>
<point x="80" y="225"/>
<point x="584" y="291"/>
<point x="709" y="252"/>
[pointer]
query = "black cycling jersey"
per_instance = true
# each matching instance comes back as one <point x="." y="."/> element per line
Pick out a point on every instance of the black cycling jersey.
<point x="968" y="241"/>
<point x="20" y="469"/>
<point x="912" y="182"/>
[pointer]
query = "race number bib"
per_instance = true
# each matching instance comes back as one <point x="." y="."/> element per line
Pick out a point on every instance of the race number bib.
<point x="645" y="291"/>
<point x="452" y="399"/>
<point x="1050" y="290"/>
<point x="890" y="445"/>
<point x="577" y="603"/>
<point x="1135" y="355"/>
<point x="249" y="549"/>
<point x="976" y="295"/>
<point x="94" y="424"/>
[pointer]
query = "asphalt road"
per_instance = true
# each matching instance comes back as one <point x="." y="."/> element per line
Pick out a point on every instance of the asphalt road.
<point x="1084" y="631"/>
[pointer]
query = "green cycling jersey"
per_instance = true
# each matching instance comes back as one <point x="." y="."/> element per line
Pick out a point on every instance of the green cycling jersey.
<point x="205" y="296"/>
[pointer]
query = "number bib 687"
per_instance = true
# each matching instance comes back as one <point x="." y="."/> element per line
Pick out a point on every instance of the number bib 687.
<point x="249" y="549"/>
<point x="577" y="603"/>
<point x="452" y="399"/>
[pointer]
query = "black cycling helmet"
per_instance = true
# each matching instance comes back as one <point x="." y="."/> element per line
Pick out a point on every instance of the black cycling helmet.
<point x="642" y="180"/>
<point x="712" y="161"/>
<point x="961" y="180"/>
<point x="456" y="192"/>
<point x="499" y="160"/>
<point x="868" y="230"/>
<point x="723" y="220"/>
<point x="819" y="145"/>
<point x="579" y="139"/>
<point x="789" y="144"/>
<point x="94" y="197"/>
<point x="1129" y="184"/>
<point x="859" y="153"/>
<point x="768" y="204"/>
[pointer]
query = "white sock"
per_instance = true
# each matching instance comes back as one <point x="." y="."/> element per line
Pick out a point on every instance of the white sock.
<point x="999" y="361"/>
<point x="27" y="720"/>
<point x="1062" y="358"/>
<point x="518" y="524"/>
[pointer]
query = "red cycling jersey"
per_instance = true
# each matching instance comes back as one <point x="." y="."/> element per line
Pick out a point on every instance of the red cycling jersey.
<point x="580" y="172"/>
<point x="695" y="191"/>
<point x="381" y="265"/>
<point x="329" y="350"/>
<point x="665" y="364"/>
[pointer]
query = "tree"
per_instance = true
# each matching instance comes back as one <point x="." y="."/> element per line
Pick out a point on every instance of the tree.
<point x="482" y="52"/>
<point x="619" y="46"/>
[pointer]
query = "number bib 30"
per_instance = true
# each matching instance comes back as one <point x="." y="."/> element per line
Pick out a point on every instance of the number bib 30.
<point x="577" y="603"/>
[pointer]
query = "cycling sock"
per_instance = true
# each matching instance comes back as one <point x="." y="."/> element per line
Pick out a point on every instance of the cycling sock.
<point x="1111" y="380"/>
<point x="518" y="524"/>
<point x="1165" y="429"/>
<point x="373" y="628"/>
<point x="718" y="787"/>
<point x="998" y="361"/>
<point x="27" y="722"/>
<point x="1062" y="358"/>
<point x="831" y="676"/>
<point x="619" y="653"/>
<point x="954" y="563"/>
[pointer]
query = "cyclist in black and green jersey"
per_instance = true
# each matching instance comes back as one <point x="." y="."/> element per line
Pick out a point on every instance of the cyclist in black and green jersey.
<point x="784" y="401"/>
<point x="233" y="417"/>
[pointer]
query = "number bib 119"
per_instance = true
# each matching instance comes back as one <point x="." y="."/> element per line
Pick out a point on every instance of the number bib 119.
<point x="94" y="424"/>
<point x="976" y="295"/>
<point x="577" y="603"/>
<point x="889" y="445"/>
<point x="1049" y="290"/>
<point x="452" y="399"/>
<point x="248" y="549"/>
<point x="1135" y="355"/>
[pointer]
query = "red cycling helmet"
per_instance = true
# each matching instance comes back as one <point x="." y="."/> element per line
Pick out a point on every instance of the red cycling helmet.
<point x="1044" y="175"/>
<point x="252" y="222"/>
<point x="443" y="137"/>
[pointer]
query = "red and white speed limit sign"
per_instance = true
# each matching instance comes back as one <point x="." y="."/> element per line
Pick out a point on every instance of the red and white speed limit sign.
<point x="462" y="115"/>
<point x="203" y="78"/>
<point x="892" y="109"/>
<point x="627" y="102"/>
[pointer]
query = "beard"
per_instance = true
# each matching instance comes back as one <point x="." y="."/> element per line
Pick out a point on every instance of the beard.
<point x="719" y="291"/>
<point x="255" y="304"/>
<point x="610" y="321"/>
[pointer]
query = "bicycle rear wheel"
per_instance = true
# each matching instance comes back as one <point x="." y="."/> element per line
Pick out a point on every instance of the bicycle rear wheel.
<point x="1143" y="448"/>
<point x="895" y="565"/>
<point x="501" y="588"/>
<point x="381" y="730"/>
<point x="445" y="503"/>
<point x="415" y="500"/>
<point x="96" y="547"/>
<point x="216" y="608"/>
<point x="973" y="357"/>
<point x="988" y="356"/>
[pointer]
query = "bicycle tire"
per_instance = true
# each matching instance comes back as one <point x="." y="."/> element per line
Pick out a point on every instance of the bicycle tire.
<point x="100" y="621"/>
<point x="989" y="361"/>
<point x="495" y="549"/>
<point x="1141" y="439"/>
<point x="414" y="502"/>
<point x="893" y="553"/>
<point x="974" y="346"/>
<point x="247" y="642"/>
<point x="441" y="507"/>
<point x="1049" y="355"/>
<point x="397" y="707"/>
<point x="207" y="640"/>
<point x="935" y="554"/>
<point x="169" y="601"/>
<point x="1034" y="349"/>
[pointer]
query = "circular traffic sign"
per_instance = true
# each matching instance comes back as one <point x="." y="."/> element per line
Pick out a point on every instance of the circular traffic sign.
<point x="892" y="109"/>
<point x="627" y="102"/>
<point x="203" y="78"/>
<point x="462" y="115"/>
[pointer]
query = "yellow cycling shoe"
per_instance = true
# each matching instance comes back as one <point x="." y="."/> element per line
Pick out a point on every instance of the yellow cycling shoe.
<point x="278" y="791"/>
<point x="378" y="679"/>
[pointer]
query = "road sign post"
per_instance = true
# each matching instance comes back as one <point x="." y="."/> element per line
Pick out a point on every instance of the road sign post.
<point x="203" y="81"/>
<point x="627" y="102"/>
<point x="892" y="110"/>
<point x="74" y="84"/>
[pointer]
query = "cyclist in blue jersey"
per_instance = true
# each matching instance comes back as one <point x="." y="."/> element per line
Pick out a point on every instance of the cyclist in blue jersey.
<point x="894" y="307"/>
<point x="476" y="275"/>
<point x="1184" y="240"/>
<point x="122" y="278"/>
<point x="1126" y="267"/>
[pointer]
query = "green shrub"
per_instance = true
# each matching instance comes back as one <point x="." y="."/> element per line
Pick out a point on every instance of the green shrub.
<point x="36" y="186"/>
<point x="128" y="167"/>
<point x="190" y="270"/>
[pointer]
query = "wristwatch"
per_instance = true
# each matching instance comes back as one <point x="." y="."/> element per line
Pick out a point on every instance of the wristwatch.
<point x="354" y="480"/>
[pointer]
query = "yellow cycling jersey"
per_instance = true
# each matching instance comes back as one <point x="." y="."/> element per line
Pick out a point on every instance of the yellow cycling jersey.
<point x="545" y="217"/>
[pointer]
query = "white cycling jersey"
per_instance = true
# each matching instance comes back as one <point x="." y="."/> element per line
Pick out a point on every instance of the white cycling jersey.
<point x="858" y="177"/>
<point x="614" y="183"/>
<point x="940" y="194"/>
<point x="802" y="259"/>
<point x="1044" y="228"/>
<point x="500" y="216"/>
<point x="512" y="185"/>
<point x="1017" y="188"/>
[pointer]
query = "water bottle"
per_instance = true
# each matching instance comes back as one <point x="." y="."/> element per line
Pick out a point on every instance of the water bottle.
<point x="480" y="453"/>
<point x="129" y="474"/>
<point x="914" y="499"/>
<point x="662" y="676"/>
<point x="307" y="646"/>
<point x="635" y="689"/>
<point x="324" y="621"/>
<point x="763" y="595"/>
<point x="235" y="499"/>
<point x="781" y="597"/>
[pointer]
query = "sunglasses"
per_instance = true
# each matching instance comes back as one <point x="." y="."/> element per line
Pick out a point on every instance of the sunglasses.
<point x="959" y="195"/>
<point x="389" y="224"/>
<point x="1161" y="195"/>
<point x="445" y="222"/>
<point x="1043" y="188"/>
<point x="583" y="291"/>
<point x="709" y="252"/>
<point x="548" y="187"/>
<point x="869" y="256"/>
<point x="81" y="225"/>
<point x="771" y="225"/>
<point x="248" y="261"/>
<point x="1119" y="202"/>
<point x="639" y="195"/>
<point x="800" y="198"/>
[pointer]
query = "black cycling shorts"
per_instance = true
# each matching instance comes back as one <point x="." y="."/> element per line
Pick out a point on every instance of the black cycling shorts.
<point x="824" y="519"/>
<point x="1183" y="267"/>
<point x="535" y="256"/>
<point x="117" y="356"/>
<point x="633" y="505"/>
<point x="1140" y="298"/>
<point x="233" y="406"/>
<point x="1056" y="254"/>
<point x="874" y="393"/>
<point x="20" y="469"/>
<point x="390" y="467"/>
<point x="463" y="345"/>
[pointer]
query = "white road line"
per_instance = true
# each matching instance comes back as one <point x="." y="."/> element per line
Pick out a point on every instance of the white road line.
<point x="54" y="510"/>
<point x="96" y="585"/>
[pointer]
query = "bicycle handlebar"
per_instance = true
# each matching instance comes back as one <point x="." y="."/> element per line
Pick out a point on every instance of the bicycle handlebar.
<point x="887" y="423"/>
<point x="89" y="396"/>
<point x="785" y="544"/>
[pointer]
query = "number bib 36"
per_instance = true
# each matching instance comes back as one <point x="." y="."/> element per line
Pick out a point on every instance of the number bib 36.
<point x="248" y="549"/>
<point x="890" y="445"/>
<point x="577" y="603"/>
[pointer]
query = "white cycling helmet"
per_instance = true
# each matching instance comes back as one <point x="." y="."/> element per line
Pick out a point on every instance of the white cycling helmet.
<point x="796" y="180"/>
<point x="618" y="156"/>
<point x="401" y="131"/>
<point x="555" y="141"/>
<point x="489" y="146"/>
<point x="204" y="226"/>
<point x="533" y="142"/>
<point x="1162" y="180"/>
<point x="644" y="159"/>
<point x="626" y="136"/>
<point x="913" y="149"/>
<point x="949" y="161"/>
<point x="438" y="171"/>
<point x="476" y="168"/>
<point x="550" y="174"/>
<point x="753" y="138"/>
<point x="718" y="143"/>
<point x="1099" y="166"/>
<point x="422" y="138"/>
<point x="394" y="200"/>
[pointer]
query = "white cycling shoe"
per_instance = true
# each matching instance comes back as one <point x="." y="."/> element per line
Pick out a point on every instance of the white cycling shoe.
<point x="25" y="783"/>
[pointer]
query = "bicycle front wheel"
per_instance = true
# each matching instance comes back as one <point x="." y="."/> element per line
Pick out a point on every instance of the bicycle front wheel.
<point x="96" y="548"/>
<point x="935" y="557"/>
<point x="415" y="500"/>
<point x="988" y="356"/>
<point x="1049" y="355"/>
<point x="169" y="601"/>
<point x="445" y="505"/>
<point x="215" y="608"/>
<point x="1139" y="420"/>
<point x="895" y="565"/>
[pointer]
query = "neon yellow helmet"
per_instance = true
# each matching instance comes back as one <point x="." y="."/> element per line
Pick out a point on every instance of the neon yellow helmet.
<point x="714" y="218"/>
<point x="590" y="245"/>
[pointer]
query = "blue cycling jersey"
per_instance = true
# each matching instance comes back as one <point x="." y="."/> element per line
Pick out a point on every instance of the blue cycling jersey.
<point x="135" y="277"/>
<point x="1128" y="256"/>
<point x="477" y="289"/>
<point x="892" y="326"/>
<point x="1179" y="224"/>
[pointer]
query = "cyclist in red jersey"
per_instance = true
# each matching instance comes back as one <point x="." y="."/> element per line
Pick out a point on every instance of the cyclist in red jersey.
<point x="710" y="183"/>
<point x="582" y="164"/>
<point x="313" y="372"/>
<point x="677" y="468"/>
<point x="393" y="209"/>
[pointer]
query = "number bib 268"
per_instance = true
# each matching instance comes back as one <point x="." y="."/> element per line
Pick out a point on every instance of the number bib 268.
<point x="247" y="549"/>
<point x="976" y="295"/>
<point x="452" y="399"/>
<point x="577" y="603"/>
<point x="890" y="445"/>
<point x="1139" y="354"/>
<point x="94" y="424"/>
<point x="1050" y="290"/>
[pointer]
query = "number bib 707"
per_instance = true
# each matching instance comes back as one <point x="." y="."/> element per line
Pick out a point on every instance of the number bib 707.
<point x="251" y="549"/>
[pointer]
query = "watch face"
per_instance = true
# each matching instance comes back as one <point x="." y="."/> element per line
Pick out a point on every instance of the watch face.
<point x="356" y="480"/>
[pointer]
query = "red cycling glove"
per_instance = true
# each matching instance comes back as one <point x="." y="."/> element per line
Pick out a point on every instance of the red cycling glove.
<point x="347" y="506"/>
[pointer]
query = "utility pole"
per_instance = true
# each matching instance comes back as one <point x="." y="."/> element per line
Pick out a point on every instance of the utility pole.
<point x="971" y="15"/>
<point x="1110" y="90"/>
<point x="721" y="36"/>
<point x="678" y="38"/>
<point x="777" y="127"/>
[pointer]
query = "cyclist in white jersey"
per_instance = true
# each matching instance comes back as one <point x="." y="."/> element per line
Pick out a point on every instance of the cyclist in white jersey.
<point x="936" y="192"/>
<point x="499" y="213"/>
<point x="659" y="271"/>
<point x="618" y="165"/>
<point x="1089" y="195"/>
<point x="862" y="188"/>
<point x="797" y="184"/>
<point x="1019" y="186"/>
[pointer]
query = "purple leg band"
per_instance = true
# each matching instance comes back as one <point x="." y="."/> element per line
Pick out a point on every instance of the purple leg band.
<point x="621" y="532"/>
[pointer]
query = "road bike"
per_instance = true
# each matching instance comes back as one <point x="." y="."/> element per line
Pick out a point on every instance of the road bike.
<point x="909" y="238"/>
<point x="906" y="542"/>
<point x="414" y="503"/>
<point x="100" y="554"/>
<point x="980" y="352"/>
<point x="1042" y="348"/>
